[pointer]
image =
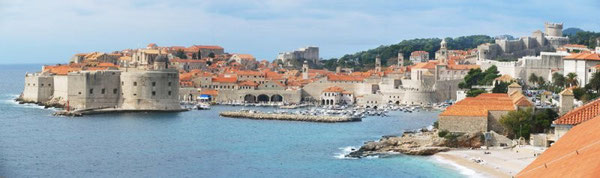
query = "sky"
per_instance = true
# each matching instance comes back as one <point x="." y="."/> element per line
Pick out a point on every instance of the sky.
<point x="49" y="32"/>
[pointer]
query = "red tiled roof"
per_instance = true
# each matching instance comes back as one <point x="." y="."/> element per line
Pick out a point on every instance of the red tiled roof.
<point x="338" y="77"/>
<point x="583" y="56"/>
<point x="225" y="79"/>
<point x="480" y="105"/>
<point x="209" y="92"/>
<point x="580" y="114"/>
<point x="574" y="46"/>
<point x="574" y="155"/>
<point x="334" y="89"/>
<point x="61" y="69"/>
<point x="248" y="83"/>
<point x="415" y="53"/>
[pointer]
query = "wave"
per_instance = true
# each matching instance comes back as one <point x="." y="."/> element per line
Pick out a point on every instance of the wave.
<point x="345" y="151"/>
<point x="461" y="169"/>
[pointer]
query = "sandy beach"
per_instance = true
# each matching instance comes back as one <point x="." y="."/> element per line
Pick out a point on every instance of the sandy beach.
<point x="499" y="163"/>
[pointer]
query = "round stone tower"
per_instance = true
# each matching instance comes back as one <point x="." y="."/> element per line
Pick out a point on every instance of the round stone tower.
<point x="554" y="29"/>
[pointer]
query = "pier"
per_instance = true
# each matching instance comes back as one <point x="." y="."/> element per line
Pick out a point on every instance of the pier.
<point x="288" y="117"/>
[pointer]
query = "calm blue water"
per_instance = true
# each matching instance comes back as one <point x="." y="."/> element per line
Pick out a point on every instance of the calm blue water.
<point x="191" y="144"/>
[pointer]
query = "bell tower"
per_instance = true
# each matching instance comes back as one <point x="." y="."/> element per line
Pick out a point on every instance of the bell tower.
<point x="305" y="70"/>
<point x="378" y="63"/>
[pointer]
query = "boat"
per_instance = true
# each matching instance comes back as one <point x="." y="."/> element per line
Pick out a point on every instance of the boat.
<point x="203" y="106"/>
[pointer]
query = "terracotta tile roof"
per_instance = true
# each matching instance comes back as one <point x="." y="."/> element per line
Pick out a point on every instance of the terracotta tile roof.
<point x="583" y="56"/>
<point x="225" y="79"/>
<point x="480" y="105"/>
<point x="574" y="155"/>
<point x="335" y="89"/>
<point x="416" y="53"/>
<point x="339" y="77"/>
<point x="248" y="83"/>
<point x="425" y="65"/>
<point x="61" y="69"/>
<point x="580" y="114"/>
<point x="575" y="46"/>
<point x="106" y="64"/>
<point x="195" y="48"/>
<point x="462" y="67"/>
<point x="209" y="92"/>
<point x="249" y="73"/>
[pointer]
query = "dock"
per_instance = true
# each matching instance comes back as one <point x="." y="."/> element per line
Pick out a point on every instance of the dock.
<point x="288" y="117"/>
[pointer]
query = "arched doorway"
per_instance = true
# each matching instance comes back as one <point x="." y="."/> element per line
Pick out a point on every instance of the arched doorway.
<point x="276" y="98"/>
<point x="263" y="98"/>
<point x="250" y="98"/>
<point x="322" y="102"/>
<point x="397" y="102"/>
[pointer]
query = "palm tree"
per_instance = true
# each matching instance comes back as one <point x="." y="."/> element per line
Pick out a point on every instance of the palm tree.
<point x="533" y="78"/>
<point x="572" y="79"/>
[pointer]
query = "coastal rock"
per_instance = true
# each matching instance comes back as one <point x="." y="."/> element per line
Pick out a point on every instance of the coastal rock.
<point x="416" y="143"/>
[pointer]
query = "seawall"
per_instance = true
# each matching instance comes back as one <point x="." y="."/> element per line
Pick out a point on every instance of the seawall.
<point x="288" y="117"/>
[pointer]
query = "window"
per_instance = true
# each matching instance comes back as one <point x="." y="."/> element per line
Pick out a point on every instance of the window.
<point x="153" y="84"/>
<point x="103" y="90"/>
<point x="42" y="84"/>
<point x="92" y="91"/>
<point x="115" y="91"/>
<point x="134" y="83"/>
<point x="80" y="93"/>
<point x="122" y="83"/>
<point x="153" y="93"/>
<point x="49" y="85"/>
<point x="169" y="83"/>
<point x="134" y="94"/>
<point x="169" y="93"/>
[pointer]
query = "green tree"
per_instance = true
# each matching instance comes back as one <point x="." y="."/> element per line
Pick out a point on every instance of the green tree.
<point x="533" y="78"/>
<point x="558" y="79"/>
<point x="571" y="79"/>
<point x="578" y="92"/>
<point x="517" y="123"/>
<point x="594" y="83"/>
<point x="542" y="120"/>
<point x="500" y="87"/>
<point x="199" y="54"/>
<point x="180" y="54"/>
<point x="211" y="55"/>
<point x="475" y="92"/>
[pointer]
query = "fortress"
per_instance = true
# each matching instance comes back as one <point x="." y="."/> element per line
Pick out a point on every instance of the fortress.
<point x="150" y="87"/>
<point x="524" y="46"/>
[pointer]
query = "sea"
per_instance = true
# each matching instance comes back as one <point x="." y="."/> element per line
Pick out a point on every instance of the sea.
<point x="197" y="143"/>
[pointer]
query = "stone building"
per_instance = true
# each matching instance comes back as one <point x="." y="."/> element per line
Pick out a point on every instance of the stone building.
<point x="336" y="96"/>
<point x="310" y="53"/>
<point x="150" y="86"/>
<point x="481" y="113"/>
<point x="583" y="64"/>
<point x="524" y="46"/>
<point x="419" y="56"/>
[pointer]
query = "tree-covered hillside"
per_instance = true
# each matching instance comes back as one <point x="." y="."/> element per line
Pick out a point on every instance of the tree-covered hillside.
<point x="366" y="59"/>
<point x="584" y="38"/>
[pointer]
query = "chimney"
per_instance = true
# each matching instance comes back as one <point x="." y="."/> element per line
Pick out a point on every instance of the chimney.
<point x="566" y="101"/>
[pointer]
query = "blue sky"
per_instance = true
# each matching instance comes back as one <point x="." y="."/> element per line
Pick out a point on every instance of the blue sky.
<point x="38" y="31"/>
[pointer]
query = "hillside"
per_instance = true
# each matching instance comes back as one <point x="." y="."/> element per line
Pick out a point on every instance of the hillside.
<point x="571" y="31"/>
<point x="366" y="59"/>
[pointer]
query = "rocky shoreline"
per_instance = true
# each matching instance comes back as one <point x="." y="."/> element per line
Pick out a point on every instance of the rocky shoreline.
<point x="417" y="143"/>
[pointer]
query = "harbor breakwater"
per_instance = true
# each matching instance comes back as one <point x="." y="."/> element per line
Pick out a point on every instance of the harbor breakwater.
<point x="288" y="117"/>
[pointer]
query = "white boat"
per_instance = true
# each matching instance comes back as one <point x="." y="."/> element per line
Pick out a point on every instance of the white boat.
<point x="203" y="106"/>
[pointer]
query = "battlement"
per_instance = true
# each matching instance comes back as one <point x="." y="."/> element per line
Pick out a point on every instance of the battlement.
<point x="553" y="25"/>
